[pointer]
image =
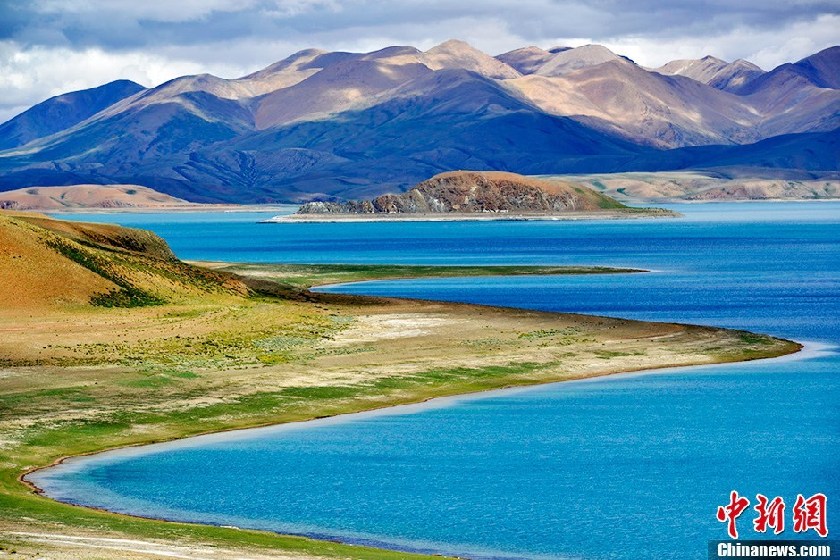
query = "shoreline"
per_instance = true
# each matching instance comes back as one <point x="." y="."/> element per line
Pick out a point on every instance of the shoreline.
<point x="633" y="214"/>
<point x="199" y="208"/>
<point x="196" y="208"/>
<point x="394" y="406"/>
<point x="806" y="350"/>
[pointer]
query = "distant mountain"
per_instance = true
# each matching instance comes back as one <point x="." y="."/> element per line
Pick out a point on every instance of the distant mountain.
<point x="322" y="125"/>
<point x="621" y="98"/>
<point x="63" y="111"/>
<point x="818" y="151"/>
<point x="86" y="197"/>
<point x="449" y="119"/>
<point x="714" y="72"/>
<point x="818" y="70"/>
<point x="528" y="60"/>
<point x="471" y="192"/>
<point x="570" y="60"/>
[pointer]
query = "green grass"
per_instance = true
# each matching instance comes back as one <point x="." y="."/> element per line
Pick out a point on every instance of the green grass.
<point x="126" y="295"/>
<point x="303" y="276"/>
<point x="285" y="405"/>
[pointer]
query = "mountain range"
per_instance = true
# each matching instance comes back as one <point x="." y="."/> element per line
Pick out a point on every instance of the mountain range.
<point x="335" y="125"/>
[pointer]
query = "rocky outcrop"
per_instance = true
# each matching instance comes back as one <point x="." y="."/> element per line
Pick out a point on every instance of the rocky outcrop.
<point x="472" y="192"/>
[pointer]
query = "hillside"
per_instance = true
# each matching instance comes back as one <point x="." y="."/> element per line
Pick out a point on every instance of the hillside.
<point x="340" y="125"/>
<point x="818" y="70"/>
<point x="669" y="186"/>
<point x="62" y="112"/>
<point x="87" y="197"/>
<point x="713" y="71"/>
<point x="52" y="263"/>
<point x="472" y="192"/>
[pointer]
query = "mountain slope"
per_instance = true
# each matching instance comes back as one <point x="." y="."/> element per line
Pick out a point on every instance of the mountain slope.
<point x="528" y="60"/>
<point x="63" y="111"/>
<point x="714" y="72"/>
<point x="567" y="61"/>
<point x="819" y="70"/>
<point x="347" y="85"/>
<point x="663" y="111"/>
<point x="458" y="55"/>
<point x="818" y="151"/>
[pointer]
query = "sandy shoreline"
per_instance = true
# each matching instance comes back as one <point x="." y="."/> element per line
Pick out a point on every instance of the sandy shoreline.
<point x="807" y="350"/>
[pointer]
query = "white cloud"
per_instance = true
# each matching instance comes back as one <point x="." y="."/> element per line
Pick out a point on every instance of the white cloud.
<point x="158" y="10"/>
<point x="767" y="48"/>
<point x="33" y="75"/>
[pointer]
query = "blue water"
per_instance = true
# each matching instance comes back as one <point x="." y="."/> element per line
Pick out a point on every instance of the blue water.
<point x="626" y="467"/>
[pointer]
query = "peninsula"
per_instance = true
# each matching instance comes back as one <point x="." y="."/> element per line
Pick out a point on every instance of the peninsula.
<point x="109" y="340"/>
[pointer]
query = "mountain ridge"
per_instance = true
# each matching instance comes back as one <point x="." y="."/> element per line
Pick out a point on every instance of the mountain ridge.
<point x="340" y="125"/>
<point x="63" y="111"/>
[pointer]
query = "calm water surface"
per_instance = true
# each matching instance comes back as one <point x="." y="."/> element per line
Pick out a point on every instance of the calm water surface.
<point x="626" y="467"/>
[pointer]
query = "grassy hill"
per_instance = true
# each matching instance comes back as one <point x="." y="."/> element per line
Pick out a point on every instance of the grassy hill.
<point x="48" y="262"/>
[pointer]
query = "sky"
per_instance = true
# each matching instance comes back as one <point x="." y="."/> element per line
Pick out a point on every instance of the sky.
<point x="49" y="47"/>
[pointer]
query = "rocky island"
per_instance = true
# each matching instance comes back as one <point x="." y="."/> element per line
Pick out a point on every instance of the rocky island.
<point x="493" y="195"/>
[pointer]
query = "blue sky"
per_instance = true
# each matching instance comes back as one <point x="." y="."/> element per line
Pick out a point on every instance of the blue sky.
<point x="48" y="47"/>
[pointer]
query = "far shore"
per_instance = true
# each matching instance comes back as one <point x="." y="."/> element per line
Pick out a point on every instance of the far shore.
<point x="174" y="208"/>
<point x="632" y="213"/>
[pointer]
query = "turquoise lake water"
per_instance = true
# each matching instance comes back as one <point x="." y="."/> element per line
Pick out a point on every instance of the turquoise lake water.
<point x="626" y="467"/>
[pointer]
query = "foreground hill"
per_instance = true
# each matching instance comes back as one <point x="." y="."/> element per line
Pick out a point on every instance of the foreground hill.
<point x="52" y="263"/>
<point x="473" y="192"/>
<point x="349" y="125"/>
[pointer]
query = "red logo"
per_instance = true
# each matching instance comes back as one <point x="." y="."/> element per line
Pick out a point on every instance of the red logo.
<point x="808" y="513"/>
<point x="770" y="514"/>
<point x="729" y="513"/>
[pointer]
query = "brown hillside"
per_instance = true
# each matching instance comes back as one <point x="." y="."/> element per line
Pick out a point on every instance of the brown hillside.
<point x="46" y="263"/>
<point x="87" y="196"/>
<point x="35" y="275"/>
